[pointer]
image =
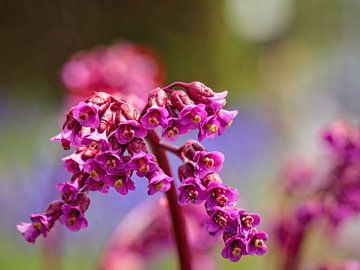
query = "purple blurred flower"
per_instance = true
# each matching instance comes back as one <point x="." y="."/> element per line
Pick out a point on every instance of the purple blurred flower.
<point x="121" y="69"/>
<point x="138" y="242"/>
<point x="298" y="174"/>
<point x="308" y="212"/>
<point x="334" y="196"/>
<point x="68" y="190"/>
<point x="340" y="135"/>
<point x="347" y="265"/>
<point x="31" y="231"/>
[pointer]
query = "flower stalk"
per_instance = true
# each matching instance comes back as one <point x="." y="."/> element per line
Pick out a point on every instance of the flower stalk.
<point x="177" y="216"/>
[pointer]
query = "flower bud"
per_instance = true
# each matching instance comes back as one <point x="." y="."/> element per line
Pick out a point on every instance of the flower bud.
<point x="115" y="145"/>
<point x="53" y="208"/>
<point x="157" y="97"/>
<point x="80" y="178"/>
<point x="190" y="148"/>
<point x="100" y="99"/>
<point x="130" y="112"/>
<point x="179" y="99"/>
<point x="198" y="91"/>
<point x="308" y="212"/>
<point x="70" y="121"/>
<point x="211" y="177"/>
<point x="137" y="146"/>
<point x="119" y="116"/>
<point x="186" y="170"/>
<point x="106" y="120"/>
<point x="83" y="201"/>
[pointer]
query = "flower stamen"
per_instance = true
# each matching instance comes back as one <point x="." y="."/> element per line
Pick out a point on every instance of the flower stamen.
<point x="259" y="243"/>
<point x="158" y="186"/>
<point x="236" y="251"/>
<point x="196" y="119"/>
<point x="118" y="183"/>
<point x="37" y="225"/>
<point x="247" y="221"/>
<point x="172" y="132"/>
<point x="143" y="165"/>
<point x="212" y="128"/>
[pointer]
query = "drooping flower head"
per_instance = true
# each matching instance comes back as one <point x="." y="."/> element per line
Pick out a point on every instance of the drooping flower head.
<point x="109" y="136"/>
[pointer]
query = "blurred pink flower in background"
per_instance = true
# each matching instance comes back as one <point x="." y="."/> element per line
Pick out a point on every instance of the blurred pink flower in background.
<point x="333" y="200"/>
<point x="119" y="69"/>
<point x="145" y="233"/>
<point x="348" y="265"/>
<point x="297" y="174"/>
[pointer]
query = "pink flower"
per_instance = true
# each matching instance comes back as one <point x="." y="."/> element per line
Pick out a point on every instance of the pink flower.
<point x="87" y="114"/>
<point x="158" y="181"/>
<point x="73" y="218"/>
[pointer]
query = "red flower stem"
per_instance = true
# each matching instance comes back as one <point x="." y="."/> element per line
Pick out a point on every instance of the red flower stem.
<point x="177" y="216"/>
<point x="294" y="246"/>
<point x="171" y="148"/>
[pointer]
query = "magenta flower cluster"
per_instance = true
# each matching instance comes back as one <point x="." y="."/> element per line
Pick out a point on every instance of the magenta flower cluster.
<point x="330" y="189"/>
<point x="110" y="148"/>
<point x="109" y="140"/>
<point x="196" y="108"/>
<point x="337" y="198"/>
<point x="201" y="184"/>
<point x="340" y="196"/>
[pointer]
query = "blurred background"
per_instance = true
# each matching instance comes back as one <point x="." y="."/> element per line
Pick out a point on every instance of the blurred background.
<point x="290" y="67"/>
